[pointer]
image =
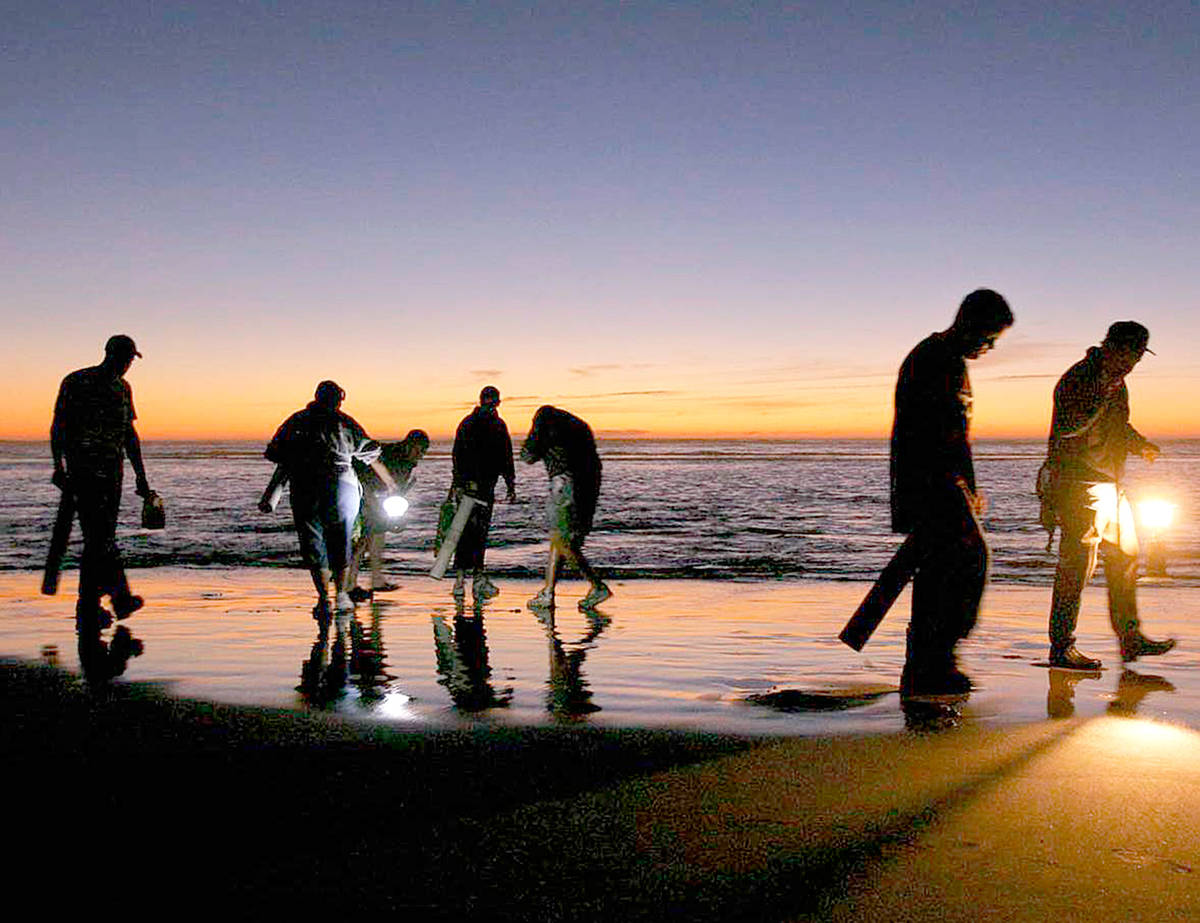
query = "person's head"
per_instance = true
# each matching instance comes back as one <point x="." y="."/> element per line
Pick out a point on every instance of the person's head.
<point x="416" y="444"/>
<point x="981" y="318"/>
<point x="1124" y="345"/>
<point x="329" y="395"/>
<point x="489" y="398"/>
<point x="119" y="352"/>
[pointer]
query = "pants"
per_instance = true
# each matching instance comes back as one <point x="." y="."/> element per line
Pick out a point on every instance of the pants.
<point x="97" y="502"/>
<point x="324" y="514"/>
<point x="947" y="587"/>
<point x="1096" y="521"/>
<point x="468" y="555"/>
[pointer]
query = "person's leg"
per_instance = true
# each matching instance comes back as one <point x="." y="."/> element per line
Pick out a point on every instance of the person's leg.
<point x="375" y="543"/>
<point x="309" y="532"/>
<point x="545" y="598"/>
<point x="93" y="525"/>
<point x="1076" y="563"/>
<point x="1120" y="574"/>
<point x="345" y="499"/>
<point x="598" y="591"/>
<point x="947" y="589"/>
<point x="481" y="587"/>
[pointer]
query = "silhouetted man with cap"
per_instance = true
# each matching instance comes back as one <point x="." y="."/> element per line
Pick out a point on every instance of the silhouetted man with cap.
<point x="90" y="436"/>
<point x="933" y="491"/>
<point x="1090" y="437"/>
<point x="482" y="455"/>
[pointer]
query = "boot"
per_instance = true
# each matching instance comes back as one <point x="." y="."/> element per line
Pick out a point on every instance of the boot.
<point x="1135" y="645"/>
<point x="1071" y="658"/>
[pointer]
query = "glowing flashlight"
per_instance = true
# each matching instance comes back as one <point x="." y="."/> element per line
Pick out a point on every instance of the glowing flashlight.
<point x="395" y="506"/>
<point x="1156" y="515"/>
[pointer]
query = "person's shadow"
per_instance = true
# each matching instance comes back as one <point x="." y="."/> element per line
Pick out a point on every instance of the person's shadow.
<point x="568" y="696"/>
<point x="101" y="660"/>
<point x="462" y="661"/>
<point x="368" y="671"/>
<point x="323" y="673"/>
<point x="1133" y="687"/>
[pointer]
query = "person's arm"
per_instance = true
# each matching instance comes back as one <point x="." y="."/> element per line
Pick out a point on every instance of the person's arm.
<point x="508" y="473"/>
<point x="133" y="448"/>
<point x="384" y="475"/>
<point x="1138" y="444"/>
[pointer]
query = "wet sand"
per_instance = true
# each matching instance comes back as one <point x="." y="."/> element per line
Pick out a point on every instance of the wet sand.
<point x="144" y="789"/>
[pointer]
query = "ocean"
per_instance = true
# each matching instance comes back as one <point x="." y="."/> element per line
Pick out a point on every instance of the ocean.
<point x="719" y="510"/>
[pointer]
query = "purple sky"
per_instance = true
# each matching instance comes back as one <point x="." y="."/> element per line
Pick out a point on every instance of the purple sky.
<point x="661" y="216"/>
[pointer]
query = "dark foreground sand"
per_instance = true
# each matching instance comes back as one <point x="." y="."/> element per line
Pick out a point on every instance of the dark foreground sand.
<point x="126" y="801"/>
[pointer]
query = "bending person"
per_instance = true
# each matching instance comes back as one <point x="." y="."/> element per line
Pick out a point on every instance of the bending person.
<point x="315" y="449"/>
<point x="400" y="458"/>
<point x="565" y="444"/>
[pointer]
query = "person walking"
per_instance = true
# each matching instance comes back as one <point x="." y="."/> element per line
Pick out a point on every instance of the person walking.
<point x="315" y="449"/>
<point x="934" y="496"/>
<point x="1081" y="489"/>
<point x="90" y="436"/>
<point x="482" y="454"/>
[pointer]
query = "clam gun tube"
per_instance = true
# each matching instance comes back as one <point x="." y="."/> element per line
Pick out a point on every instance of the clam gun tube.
<point x="465" y="506"/>
<point x="882" y="595"/>
<point x="58" y="542"/>
<point x="894" y="578"/>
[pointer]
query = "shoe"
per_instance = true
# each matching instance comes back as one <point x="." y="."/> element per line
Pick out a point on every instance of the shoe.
<point x="544" y="600"/>
<point x="359" y="595"/>
<point x="127" y="605"/>
<point x="483" y="588"/>
<point x="320" y="612"/>
<point x="595" y="596"/>
<point x="1138" y="645"/>
<point x="344" y="603"/>
<point x="1071" y="658"/>
<point x="947" y="680"/>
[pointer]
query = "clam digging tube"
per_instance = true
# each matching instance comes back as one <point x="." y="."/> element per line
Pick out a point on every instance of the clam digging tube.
<point x="58" y="542"/>
<point x="881" y="596"/>
<point x="453" y="534"/>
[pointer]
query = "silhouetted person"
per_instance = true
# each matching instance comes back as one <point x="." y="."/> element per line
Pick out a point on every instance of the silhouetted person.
<point x="482" y="455"/>
<point x="565" y="444"/>
<point x="315" y="449"/>
<point x="1090" y="438"/>
<point x="934" y="495"/>
<point x="90" y="436"/>
<point x="400" y="458"/>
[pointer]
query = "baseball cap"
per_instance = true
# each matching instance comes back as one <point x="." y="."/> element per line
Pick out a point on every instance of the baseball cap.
<point x="120" y="345"/>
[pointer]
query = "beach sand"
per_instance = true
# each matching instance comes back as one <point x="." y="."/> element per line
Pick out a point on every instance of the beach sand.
<point x="1041" y="796"/>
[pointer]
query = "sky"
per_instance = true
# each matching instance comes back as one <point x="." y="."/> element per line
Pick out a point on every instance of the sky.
<point x="673" y="219"/>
